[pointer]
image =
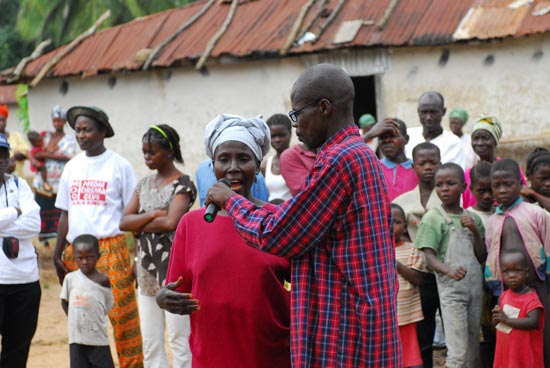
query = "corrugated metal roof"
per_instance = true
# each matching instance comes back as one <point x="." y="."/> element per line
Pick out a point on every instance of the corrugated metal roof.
<point x="262" y="27"/>
<point x="7" y="95"/>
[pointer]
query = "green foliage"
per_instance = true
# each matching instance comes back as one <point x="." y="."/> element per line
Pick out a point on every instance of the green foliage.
<point x="64" y="20"/>
<point x="23" y="107"/>
<point x="12" y="46"/>
<point x="25" y="23"/>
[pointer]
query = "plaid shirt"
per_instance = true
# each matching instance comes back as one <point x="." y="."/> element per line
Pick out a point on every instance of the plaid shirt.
<point x="338" y="234"/>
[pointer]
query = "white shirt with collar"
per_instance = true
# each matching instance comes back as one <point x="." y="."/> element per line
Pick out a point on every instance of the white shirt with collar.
<point x="450" y="146"/>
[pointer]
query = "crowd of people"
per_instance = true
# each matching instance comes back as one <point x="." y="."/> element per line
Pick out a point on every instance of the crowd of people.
<point x="339" y="251"/>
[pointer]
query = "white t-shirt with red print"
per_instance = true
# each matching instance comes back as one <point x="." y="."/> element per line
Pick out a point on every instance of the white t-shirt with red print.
<point x="95" y="190"/>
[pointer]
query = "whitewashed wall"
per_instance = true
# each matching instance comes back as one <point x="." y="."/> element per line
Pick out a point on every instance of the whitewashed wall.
<point x="187" y="100"/>
<point x="515" y="88"/>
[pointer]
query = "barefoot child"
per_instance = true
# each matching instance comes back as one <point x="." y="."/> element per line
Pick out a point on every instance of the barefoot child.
<point x="452" y="241"/>
<point x="410" y="267"/>
<point x="518" y="226"/>
<point x="519" y="317"/>
<point x="86" y="298"/>
<point x="415" y="203"/>
<point x="37" y="162"/>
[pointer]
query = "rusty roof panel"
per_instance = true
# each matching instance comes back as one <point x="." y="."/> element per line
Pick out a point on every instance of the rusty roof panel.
<point x="536" y="23"/>
<point x="7" y="94"/>
<point x="261" y="27"/>
<point x="192" y="42"/>
<point x="485" y="23"/>
<point x="439" y="22"/>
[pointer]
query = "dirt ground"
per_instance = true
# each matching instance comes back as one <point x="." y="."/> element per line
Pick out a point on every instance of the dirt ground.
<point x="50" y="347"/>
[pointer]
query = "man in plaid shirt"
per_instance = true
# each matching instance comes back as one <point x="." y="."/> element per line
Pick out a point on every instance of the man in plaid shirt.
<point x="336" y="231"/>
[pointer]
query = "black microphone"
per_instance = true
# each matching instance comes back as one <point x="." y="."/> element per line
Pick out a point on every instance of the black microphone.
<point x="212" y="209"/>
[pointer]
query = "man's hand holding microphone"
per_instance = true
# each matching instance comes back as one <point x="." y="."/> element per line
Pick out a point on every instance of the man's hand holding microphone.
<point x="217" y="196"/>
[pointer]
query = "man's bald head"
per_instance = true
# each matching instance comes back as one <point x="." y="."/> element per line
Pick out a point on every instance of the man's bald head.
<point x="431" y="108"/>
<point x="325" y="81"/>
<point x="431" y="97"/>
<point x="322" y="100"/>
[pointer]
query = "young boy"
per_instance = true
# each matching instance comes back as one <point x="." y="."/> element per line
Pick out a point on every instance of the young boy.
<point x="397" y="168"/>
<point x="86" y="298"/>
<point x="518" y="226"/>
<point x="452" y="241"/>
<point x="519" y="317"/>
<point x="480" y="179"/>
<point x="480" y="185"/>
<point x="415" y="203"/>
<point x="37" y="163"/>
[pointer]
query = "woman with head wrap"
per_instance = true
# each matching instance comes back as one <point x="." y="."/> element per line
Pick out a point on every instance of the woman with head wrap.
<point x="158" y="203"/>
<point x="457" y="119"/>
<point x="486" y="133"/>
<point x="59" y="147"/>
<point x="19" y="146"/>
<point x="236" y="296"/>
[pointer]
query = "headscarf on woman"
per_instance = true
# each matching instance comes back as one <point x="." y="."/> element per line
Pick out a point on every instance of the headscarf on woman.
<point x="490" y="124"/>
<point x="459" y="113"/>
<point x="253" y="132"/>
<point x="58" y="112"/>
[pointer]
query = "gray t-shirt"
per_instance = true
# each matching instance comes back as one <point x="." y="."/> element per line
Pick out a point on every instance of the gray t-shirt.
<point x="89" y="303"/>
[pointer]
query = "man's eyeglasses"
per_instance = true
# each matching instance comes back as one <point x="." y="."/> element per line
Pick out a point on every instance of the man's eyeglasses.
<point x="293" y="114"/>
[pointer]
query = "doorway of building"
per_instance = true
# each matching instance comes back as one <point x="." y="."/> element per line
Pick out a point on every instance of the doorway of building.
<point x="365" y="96"/>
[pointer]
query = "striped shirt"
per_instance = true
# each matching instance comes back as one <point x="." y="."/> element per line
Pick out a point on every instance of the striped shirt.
<point x="337" y="233"/>
<point x="409" y="309"/>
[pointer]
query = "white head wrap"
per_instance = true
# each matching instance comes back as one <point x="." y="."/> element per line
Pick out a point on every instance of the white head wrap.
<point x="59" y="112"/>
<point x="253" y="132"/>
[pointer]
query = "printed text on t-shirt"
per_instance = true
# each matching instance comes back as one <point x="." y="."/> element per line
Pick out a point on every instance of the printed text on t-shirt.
<point x="89" y="192"/>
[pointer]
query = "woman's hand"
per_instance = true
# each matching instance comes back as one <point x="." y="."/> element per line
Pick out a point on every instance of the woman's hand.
<point x="175" y="302"/>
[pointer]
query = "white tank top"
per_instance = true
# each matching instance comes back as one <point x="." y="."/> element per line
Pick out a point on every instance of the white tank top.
<point x="276" y="184"/>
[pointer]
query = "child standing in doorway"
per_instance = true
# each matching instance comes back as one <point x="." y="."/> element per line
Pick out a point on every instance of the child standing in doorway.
<point x="452" y="241"/>
<point x="518" y="226"/>
<point x="519" y="317"/>
<point x="86" y="298"/>
<point x="410" y="269"/>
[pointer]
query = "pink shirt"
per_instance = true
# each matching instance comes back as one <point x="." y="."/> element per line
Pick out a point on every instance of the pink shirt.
<point x="468" y="199"/>
<point x="399" y="178"/>
<point x="533" y="224"/>
<point x="295" y="164"/>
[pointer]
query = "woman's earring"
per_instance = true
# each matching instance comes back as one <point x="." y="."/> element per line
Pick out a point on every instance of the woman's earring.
<point x="169" y="156"/>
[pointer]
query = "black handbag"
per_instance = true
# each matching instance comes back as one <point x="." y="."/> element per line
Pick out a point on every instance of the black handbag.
<point x="10" y="246"/>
